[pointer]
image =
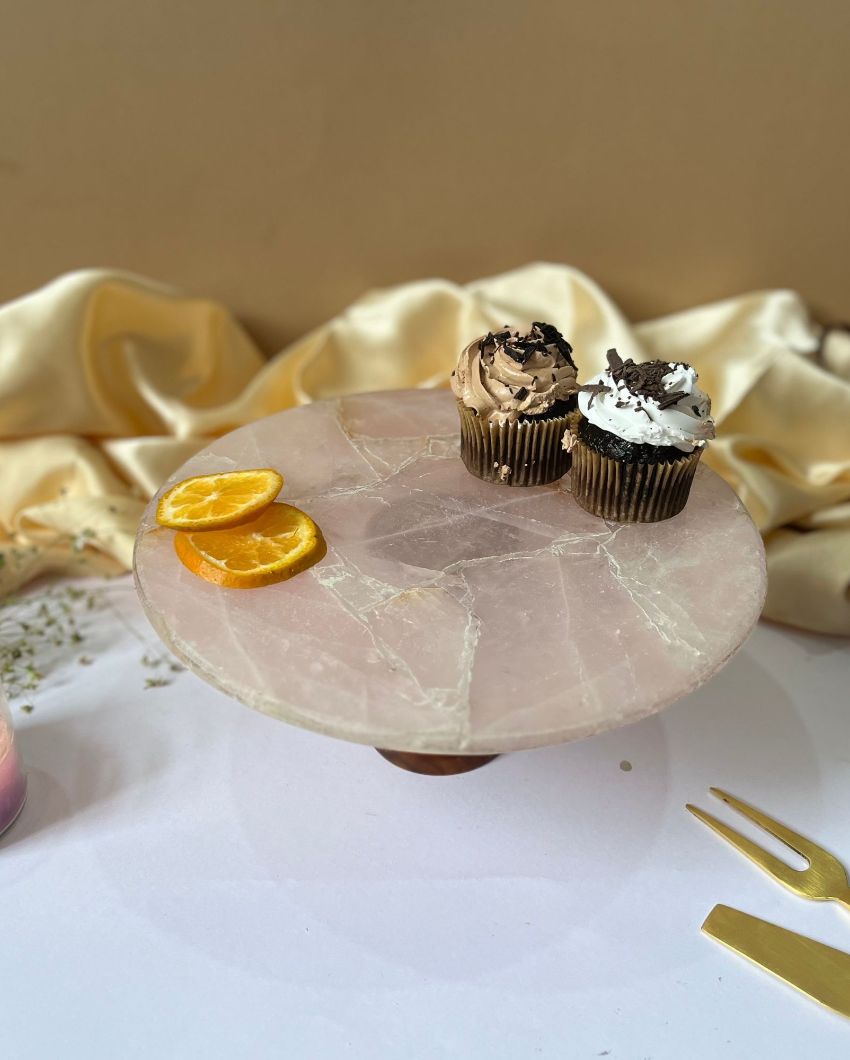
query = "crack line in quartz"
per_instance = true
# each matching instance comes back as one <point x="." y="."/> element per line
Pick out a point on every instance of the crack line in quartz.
<point x="632" y="586"/>
<point x="355" y="440"/>
<point x="580" y="669"/>
<point x="223" y="602"/>
<point x="554" y="548"/>
<point x="375" y="595"/>
<point x="385" y="652"/>
<point x="471" y="640"/>
<point x="448" y="516"/>
<point x="330" y="575"/>
<point x="678" y="615"/>
<point x="388" y="469"/>
<point x="451" y="699"/>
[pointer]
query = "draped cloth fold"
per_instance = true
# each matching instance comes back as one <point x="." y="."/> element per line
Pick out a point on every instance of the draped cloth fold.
<point x="108" y="382"/>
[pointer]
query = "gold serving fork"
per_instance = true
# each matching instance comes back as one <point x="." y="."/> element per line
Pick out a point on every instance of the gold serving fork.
<point x="825" y="878"/>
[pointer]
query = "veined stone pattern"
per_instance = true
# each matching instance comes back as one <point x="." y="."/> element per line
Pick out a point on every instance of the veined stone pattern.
<point x="450" y="614"/>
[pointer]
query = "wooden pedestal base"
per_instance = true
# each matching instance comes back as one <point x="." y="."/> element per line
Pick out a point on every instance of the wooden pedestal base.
<point x="435" y="765"/>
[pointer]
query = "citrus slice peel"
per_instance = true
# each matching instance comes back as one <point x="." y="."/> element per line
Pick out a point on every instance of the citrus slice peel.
<point x="279" y="542"/>
<point x="220" y="501"/>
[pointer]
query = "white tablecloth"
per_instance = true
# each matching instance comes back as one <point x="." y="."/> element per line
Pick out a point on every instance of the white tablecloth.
<point x="190" y="879"/>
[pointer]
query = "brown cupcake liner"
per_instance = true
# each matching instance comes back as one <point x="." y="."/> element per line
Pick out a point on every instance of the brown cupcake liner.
<point x="630" y="493"/>
<point x="525" y="453"/>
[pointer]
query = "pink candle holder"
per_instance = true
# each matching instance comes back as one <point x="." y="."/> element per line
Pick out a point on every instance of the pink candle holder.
<point x="13" y="782"/>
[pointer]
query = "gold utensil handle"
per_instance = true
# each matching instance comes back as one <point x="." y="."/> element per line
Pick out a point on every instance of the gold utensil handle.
<point x="821" y="972"/>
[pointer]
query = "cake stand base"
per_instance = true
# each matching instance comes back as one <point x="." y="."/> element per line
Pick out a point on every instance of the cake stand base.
<point x="435" y="765"/>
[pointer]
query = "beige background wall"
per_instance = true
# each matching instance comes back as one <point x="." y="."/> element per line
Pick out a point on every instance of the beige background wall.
<point x="285" y="156"/>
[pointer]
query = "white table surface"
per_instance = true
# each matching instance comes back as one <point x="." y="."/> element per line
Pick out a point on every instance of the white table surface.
<point x="190" y="879"/>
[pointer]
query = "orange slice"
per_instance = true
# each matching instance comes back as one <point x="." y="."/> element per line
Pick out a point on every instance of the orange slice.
<point x="279" y="542"/>
<point x="214" y="502"/>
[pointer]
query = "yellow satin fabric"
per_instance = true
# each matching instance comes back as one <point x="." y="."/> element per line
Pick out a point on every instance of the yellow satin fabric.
<point x="108" y="382"/>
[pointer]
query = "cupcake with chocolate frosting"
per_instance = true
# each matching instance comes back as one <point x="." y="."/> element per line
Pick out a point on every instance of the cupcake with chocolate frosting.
<point x="514" y="393"/>
<point x="637" y="439"/>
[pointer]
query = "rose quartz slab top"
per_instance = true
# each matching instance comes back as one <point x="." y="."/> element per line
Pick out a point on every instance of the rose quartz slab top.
<point x="450" y="614"/>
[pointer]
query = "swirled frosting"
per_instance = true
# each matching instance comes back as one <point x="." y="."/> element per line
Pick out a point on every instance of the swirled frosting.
<point x="652" y="403"/>
<point x="505" y="376"/>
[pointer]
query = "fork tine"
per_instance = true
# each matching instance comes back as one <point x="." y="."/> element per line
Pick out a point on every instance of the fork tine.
<point x="781" y="872"/>
<point x="804" y="847"/>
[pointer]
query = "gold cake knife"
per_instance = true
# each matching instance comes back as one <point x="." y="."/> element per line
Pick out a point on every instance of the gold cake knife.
<point x="816" y="970"/>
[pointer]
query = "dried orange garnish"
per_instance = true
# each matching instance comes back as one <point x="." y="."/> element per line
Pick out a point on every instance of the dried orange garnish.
<point x="214" y="502"/>
<point x="278" y="543"/>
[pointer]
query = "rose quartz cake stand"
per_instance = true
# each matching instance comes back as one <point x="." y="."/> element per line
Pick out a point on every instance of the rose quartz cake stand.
<point x="452" y="619"/>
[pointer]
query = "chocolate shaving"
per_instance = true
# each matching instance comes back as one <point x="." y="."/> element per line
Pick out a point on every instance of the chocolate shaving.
<point x="516" y="352"/>
<point x="487" y="342"/>
<point x="645" y="379"/>
<point x="550" y="336"/>
<point x="671" y="397"/>
<point x="615" y="361"/>
<point x="521" y="348"/>
<point x="521" y="394"/>
<point x="593" y="389"/>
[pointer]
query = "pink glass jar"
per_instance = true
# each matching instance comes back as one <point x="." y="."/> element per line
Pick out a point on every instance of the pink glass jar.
<point x="13" y="783"/>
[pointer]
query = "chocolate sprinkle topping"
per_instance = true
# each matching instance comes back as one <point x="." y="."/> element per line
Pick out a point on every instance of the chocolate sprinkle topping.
<point x="516" y="352"/>
<point x="521" y="348"/>
<point x="671" y="397"/>
<point x="552" y="337"/>
<point x="644" y="379"/>
<point x="615" y="361"/>
<point x="522" y="393"/>
<point x="593" y="389"/>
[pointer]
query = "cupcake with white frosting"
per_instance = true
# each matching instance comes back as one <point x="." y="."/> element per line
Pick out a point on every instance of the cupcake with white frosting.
<point x="637" y="439"/>
<point x="514" y="393"/>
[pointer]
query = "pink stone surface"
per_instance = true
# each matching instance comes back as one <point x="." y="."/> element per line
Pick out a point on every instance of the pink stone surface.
<point x="453" y="615"/>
